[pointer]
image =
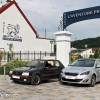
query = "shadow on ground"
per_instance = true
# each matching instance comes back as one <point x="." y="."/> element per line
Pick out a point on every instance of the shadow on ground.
<point x="43" y="82"/>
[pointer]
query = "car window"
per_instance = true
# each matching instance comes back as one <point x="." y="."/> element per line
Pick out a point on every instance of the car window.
<point x="84" y="63"/>
<point x="51" y="63"/>
<point x="98" y="63"/>
<point x="41" y="64"/>
<point x="57" y="64"/>
<point x="35" y="63"/>
<point x="32" y="63"/>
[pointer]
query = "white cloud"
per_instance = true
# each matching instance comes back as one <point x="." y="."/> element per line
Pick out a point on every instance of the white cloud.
<point x="85" y="29"/>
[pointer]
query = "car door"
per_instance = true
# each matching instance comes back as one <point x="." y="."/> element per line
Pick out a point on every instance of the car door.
<point x="98" y="69"/>
<point x="49" y="71"/>
<point x="58" y="67"/>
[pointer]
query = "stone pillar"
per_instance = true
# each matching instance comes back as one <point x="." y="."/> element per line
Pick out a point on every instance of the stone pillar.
<point x="63" y="39"/>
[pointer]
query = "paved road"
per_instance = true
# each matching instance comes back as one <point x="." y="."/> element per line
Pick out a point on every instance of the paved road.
<point x="46" y="91"/>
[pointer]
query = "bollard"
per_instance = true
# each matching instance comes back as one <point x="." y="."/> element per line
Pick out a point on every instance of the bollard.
<point x="5" y="72"/>
<point x="0" y="60"/>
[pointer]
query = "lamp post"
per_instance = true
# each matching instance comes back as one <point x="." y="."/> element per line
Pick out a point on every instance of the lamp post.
<point x="51" y="42"/>
<point x="86" y="49"/>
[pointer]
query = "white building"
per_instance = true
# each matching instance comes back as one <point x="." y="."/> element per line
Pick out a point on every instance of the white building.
<point x="16" y="29"/>
<point x="86" y="53"/>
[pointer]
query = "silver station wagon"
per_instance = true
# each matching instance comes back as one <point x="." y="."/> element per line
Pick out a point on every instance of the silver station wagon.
<point x="82" y="71"/>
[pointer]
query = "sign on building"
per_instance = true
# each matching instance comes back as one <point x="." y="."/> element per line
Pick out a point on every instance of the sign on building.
<point x="80" y="15"/>
<point x="12" y="33"/>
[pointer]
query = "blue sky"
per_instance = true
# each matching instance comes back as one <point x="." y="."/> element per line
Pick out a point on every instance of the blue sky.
<point x="46" y="14"/>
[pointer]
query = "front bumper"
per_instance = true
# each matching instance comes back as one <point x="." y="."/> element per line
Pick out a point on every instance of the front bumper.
<point x="20" y="78"/>
<point x="80" y="79"/>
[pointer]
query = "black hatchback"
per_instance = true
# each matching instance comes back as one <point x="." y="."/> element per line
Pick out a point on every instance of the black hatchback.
<point x="36" y="71"/>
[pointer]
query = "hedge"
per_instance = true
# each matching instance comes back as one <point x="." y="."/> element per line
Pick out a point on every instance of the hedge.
<point x="12" y="65"/>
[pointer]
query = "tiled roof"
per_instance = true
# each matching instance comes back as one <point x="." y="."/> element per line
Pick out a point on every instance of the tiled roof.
<point x="94" y="49"/>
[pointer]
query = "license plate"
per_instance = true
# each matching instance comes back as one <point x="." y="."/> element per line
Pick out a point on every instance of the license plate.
<point x="70" y="77"/>
<point x="16" y="77"/>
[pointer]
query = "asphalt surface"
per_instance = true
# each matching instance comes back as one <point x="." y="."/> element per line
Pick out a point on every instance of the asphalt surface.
<point x="50" y="90"/>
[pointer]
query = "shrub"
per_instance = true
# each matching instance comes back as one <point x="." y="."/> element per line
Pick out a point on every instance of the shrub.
<point x="91" y="56"/>
<point x="97" y="54"/>
<point x="12" y="65"/>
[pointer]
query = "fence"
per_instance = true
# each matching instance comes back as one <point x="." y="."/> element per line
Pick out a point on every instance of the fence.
<point x="26" y="55"/>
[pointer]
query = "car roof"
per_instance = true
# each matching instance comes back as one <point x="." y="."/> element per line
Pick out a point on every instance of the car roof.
<point x="89" y="59"/>
<point x="46" y="59"/>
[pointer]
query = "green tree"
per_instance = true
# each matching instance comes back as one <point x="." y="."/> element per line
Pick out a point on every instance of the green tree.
<point x="91" y="42"/>
<point x="91" y="56"/>
<point x="97" y="54"/>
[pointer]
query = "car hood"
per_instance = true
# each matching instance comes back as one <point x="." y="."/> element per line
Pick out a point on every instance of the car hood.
<point x="24" y="69"/>
<point x="75" y="69"/>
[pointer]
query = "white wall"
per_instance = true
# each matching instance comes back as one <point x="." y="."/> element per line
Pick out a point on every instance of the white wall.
<point x="29" y="41"/>
<point x="63" y="39"/>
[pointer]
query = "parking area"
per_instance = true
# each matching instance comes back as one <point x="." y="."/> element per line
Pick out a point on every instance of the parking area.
<point x="51" y="90"/>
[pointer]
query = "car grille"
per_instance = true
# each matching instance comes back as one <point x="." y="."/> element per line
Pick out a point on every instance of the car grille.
<point x="72" y="80"/>
<point x="71" y="74"/>
<point x="17" y="73"/>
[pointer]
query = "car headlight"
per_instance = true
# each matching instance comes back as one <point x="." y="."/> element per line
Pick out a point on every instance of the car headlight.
<point x="25" y="73"/>
<point x="85" y="73"/>
<point x="11" y="72"/>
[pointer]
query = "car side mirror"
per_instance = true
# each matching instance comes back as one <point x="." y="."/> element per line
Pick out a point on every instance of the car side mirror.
<point x="98" y="66"/>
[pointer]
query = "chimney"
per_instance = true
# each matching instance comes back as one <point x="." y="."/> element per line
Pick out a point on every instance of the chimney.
<point x="8" y="1"/>
<point x="1" y="4"/>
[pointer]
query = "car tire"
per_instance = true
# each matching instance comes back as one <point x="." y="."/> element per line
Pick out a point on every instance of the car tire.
<point x="35" y="80"/>
<point x="93" y="81"/>
<point x="15" y="81"/>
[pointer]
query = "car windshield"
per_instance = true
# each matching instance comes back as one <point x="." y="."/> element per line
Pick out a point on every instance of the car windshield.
<point x="35" y="63"/>
<point x="84" y="63"/>
<point x="32" y="63"/>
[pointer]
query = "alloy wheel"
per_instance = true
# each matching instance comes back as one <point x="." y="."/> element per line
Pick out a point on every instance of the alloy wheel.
<point x="35" y="80"/>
